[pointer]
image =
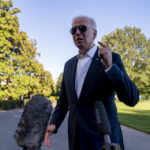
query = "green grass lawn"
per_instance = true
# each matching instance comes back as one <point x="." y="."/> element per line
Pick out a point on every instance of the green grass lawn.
<point x="137" y="117"/>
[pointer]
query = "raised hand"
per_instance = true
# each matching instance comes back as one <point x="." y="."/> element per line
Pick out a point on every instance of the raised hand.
<point x="105" y="54"/>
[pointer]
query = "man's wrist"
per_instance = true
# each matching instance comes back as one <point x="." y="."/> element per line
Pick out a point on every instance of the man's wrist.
<point x="107" y="69"/>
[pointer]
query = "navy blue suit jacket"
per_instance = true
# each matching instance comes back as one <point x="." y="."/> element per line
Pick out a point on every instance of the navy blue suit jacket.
<point x="97" y="85"/>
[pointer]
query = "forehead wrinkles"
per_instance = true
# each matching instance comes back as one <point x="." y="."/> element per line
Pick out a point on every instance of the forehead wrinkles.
<point x="81" y="21"/>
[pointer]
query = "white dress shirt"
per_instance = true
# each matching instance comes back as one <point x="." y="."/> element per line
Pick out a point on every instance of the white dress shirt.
<point x="83" y="64"/>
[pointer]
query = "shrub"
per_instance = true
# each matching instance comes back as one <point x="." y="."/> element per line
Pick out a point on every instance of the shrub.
<point x="9" y="104"/>
<point x="53" y="99"/>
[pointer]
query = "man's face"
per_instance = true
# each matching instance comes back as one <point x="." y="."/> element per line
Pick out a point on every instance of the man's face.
<point x="84" y="40"/>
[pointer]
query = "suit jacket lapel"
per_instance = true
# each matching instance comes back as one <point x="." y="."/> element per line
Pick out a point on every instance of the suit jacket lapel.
<point x="95" y="68"/>
<point x="73" y="75"/>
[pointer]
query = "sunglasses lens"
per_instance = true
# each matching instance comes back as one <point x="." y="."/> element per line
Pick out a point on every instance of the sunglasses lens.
<point x="73" y="30"/>
<point x="82" y="28"/>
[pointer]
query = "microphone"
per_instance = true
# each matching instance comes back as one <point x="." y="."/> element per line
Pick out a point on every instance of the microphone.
<point x="33" y="123"/>
<point x="102" y="120"/>
<point x="103" y="126"/>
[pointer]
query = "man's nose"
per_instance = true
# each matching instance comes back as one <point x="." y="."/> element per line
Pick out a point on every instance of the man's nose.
<point x="78" y="31"/>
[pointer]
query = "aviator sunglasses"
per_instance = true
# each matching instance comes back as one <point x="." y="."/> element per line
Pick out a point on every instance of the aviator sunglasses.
<point x="82" y="28"/>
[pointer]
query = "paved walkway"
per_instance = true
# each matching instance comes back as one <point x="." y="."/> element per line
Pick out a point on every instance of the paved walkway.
<point x="134" y="140"/>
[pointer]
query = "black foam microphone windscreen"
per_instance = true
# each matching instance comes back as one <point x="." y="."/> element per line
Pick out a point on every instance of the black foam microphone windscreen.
<point x="102" y="118"/>
<point x="33" y="122"/>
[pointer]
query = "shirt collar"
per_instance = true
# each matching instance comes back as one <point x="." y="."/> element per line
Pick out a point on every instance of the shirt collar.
<point x="90" y="53"/>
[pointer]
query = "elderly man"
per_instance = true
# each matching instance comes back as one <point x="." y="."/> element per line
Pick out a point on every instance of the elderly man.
<point x="93" y="74"/>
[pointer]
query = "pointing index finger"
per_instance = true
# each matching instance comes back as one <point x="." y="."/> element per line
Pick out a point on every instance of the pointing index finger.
<point x="101" y="44"/>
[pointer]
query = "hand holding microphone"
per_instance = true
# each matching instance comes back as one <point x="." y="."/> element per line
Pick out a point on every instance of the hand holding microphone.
<point x="105" y="55"/>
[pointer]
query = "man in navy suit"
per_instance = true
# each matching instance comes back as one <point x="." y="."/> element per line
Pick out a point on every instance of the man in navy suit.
<point x="93" y="74"/>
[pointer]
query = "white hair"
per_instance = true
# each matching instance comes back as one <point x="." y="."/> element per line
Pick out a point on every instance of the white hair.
<point x="91" y="20"/>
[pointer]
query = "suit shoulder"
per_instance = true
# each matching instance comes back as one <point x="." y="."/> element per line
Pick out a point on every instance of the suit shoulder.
<point x="115" y="54"/>
<point x="71" y="60"/>
<point x="116" y="58"/>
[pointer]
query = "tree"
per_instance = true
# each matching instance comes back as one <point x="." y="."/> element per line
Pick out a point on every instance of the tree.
<point x="134" y="49"/>
<point x="20" y="71"/>
<point x="58" y="84"/>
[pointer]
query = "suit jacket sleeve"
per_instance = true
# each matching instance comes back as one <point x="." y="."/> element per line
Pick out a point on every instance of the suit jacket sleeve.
<point x="125" y="88"/>
<point x="60" y="109"/>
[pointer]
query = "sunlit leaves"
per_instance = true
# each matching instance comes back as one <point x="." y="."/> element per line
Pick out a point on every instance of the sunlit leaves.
<point x="134" y="48"/>
<point x="20" y="71"/>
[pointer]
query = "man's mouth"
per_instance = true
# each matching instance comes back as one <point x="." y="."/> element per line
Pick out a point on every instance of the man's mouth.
<point x="79" y="39"/>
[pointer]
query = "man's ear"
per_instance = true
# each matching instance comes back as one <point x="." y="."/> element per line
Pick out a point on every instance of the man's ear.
<point x="95" y="34"/>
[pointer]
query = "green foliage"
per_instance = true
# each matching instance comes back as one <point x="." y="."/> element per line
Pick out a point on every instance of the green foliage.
<point x="9" y="104"/>
<point x="134" y="49"/>
<point x="53" y="99"/>
<point x="58" y="84"/>
<point x="20" y="71"/>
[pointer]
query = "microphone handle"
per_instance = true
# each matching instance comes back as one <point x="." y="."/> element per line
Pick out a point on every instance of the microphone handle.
<point x="111" y="146"/>
<point x="107" y="139"/>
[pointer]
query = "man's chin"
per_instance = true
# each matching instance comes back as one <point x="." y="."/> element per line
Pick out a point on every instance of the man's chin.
<point x="80" y="46"/>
